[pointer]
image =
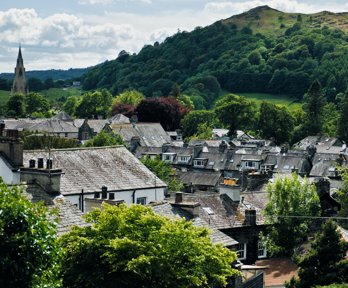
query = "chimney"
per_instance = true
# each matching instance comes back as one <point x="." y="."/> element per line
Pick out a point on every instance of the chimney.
<point x="222" y="146"/>
<point x="178" y="197"/>
<point x="250" y="217"/>
<point x="104" y="192"/>
<point x="11" y="146"/>
<point x="197" y="149"/>
<point x="40" y="163"/>
<point x="134" y="143"/>
<point x="165" y="147"/>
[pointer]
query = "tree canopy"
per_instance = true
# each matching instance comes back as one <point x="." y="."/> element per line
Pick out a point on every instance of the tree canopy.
<point x="104" y="138"/>
<point x="29" y="254"/>
<point x="290" y="200"/>
<point x="134" y="247"/>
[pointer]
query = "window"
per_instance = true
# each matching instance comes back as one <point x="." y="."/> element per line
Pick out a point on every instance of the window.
<point x="199" y="163"/>
<point x="261" y="250"/>
<point x="184" y="159"/>
<point x="141" y="200"/>
<point x="168" y="157"/>
<point x="241" y="251"/>
<point x="66" y="134"/>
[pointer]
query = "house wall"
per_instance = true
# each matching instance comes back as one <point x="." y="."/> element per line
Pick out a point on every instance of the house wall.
<point x="7" y="174"/>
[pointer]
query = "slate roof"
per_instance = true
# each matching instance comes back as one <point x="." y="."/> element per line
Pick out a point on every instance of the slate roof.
<point x="199" y="178"/>
<point x="63" y="116"/>
<point x="216" y="236"/>
<point x="91" y="168"/>
<point x="150" y="134"/>
<point x="96" y="124"/>
<point x="323" y="144"/>
<point x="53" y="126"/>
<point x="68" y="214"/>
<point x="119" y="119"/>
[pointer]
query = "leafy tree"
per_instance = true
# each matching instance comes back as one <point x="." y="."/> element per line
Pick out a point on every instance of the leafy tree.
<point x="166" y="110"/>
<point x="289" y="198"/>
<point x="15" y="106"/>
<point x="35" y="102"/>
<point x="130" y="97"/>
<point x="186" y="101"/>
<point x="41" y="141"/>
<point x="235" y="112"/>
<point x="314" y="107"/>
<point x="94" y="104"/>
<point x="163" y="171"/>
<point x="104" y="139"/>
<point x="195" y="118"/>
<point x="204" y="132"/>
<point x="342" y="129"/>
<point x="36" y="85"/>
<point x="342" y="197"/>
<point x="29" y="253"/>
<point x="275" y="122"/>
<point x="70" y="105"/>
<point x="134" y="247"/>
<point x="324" y="263"/>
<point x="124" y="109"/>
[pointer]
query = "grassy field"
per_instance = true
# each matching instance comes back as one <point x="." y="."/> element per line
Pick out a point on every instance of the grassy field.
<point x="287" y="101"/>
<point x="54" y="94"/>
<point x="4" y="95"/>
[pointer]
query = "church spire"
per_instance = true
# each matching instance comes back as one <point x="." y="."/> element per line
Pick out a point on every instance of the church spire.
<point x="19" y="83"/>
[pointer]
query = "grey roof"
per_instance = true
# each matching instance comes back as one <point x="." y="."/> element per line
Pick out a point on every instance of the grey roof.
<point x="150" y="134"/>
<point x="216" y="236"/>
<point x="323" y="144"/>
<point x="119" y="119"/>
<point x="91" y="168"/>
<point x="63" y="116"/>
<point x="68" y="214"/>
<point x="53" y="126"/>
<point x="199" y="178"/>
<point x="96" y="124"/>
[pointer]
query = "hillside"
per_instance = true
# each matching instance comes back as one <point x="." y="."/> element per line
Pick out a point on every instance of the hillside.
<point x="263" y="50"/>
<point x="54" y="74"/>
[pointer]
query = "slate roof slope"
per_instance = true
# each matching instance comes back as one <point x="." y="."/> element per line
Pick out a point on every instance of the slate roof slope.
<point x="53" y="126"/>
<point x="91" y="168"/>
<point x="68" y="214"/>
<point x="323" y="144"/>
<point x="199" y="178"/>
<point x="63" y="116"/>
<point x="150" y="134"/>
<point x="96" y="124"/>
<point x="216" y="236"/>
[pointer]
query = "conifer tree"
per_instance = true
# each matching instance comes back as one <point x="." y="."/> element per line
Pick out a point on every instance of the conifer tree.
<point x="342" y="129"/>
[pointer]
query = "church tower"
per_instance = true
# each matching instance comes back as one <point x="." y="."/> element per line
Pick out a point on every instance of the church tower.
<point x="19" y="83"/>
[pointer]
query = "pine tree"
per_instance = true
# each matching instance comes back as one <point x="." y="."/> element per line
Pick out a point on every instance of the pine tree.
<point x="342" y="129"/>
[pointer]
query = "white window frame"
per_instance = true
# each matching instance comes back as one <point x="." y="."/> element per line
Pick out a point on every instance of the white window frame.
<point x="201" y="161"/>
<point x="184" y="159"/>
<point x="241" y="251"/>
<point x="141" y="201"/>
<point x="261" y="250"/>
<point x="168" y="157"/>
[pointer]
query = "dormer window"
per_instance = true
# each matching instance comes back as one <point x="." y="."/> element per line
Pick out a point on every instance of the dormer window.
<point x="184" y="159"/>
<point x="199" y="163"/>
<point x="168" y="157"/>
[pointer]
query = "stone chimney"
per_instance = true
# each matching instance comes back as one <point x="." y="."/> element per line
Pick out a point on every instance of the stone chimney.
<point x="134" y="143"/>
<point x="223" y="146"/>
<point x="250" y="217"/>
<point x="197" y="149"/>
<point x="11" y="146"/>
<point x="190" y="207"/>
<point x="165" y="147"/>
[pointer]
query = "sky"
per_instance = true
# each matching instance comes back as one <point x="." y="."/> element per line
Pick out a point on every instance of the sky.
<point x="63" y="34"/>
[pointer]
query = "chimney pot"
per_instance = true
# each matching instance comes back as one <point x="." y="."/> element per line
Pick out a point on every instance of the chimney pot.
<point x="178" y="197"/>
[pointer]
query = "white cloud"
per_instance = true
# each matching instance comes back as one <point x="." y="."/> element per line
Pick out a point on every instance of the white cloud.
<point x="106" y="2"/>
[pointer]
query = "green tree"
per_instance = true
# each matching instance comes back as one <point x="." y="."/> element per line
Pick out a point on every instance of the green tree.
<point x="42" y="141"/>
<point x="15" y="106"/>
<point x="163" y="171"/>
<point x="342" y="197"/>
<point x="289" y="198"/>
<point x="314" y="108"/>
<point x="29" y="253"/>
<point x="204" y="132"/>
<point x="131" y="97"/>
<point x="70" y="105"/>
<point x="104" y="139"/>
<point x="35" y="102"/>
<point x="275" y="122"/>
<point x="324" y="263"/>
<point x="94" y="104"/>
<point x="235" y="112"/>
<point x="134" y="247"/>
<point x="342" y="129"/>
<point x="193" y="119"/>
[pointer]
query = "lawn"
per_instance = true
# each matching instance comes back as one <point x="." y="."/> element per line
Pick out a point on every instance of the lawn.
<point x="60" y="94"/>
<point x="4" y="95"/>
<point x="287" y="101"/>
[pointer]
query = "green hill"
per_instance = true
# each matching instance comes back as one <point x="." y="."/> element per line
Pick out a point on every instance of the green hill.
<point x="261" y="51"/>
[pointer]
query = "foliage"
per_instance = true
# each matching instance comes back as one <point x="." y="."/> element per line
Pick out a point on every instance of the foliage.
<point x="324" y="263"/>
<point x="130" y="97"/>
<point x="314" y="108"/>
<point x="29" y="253"/>
<point x="204" y="132"/>
<point x="70" y="105"/>
<point x="186" y="101"/>
<point x="165" y="110"/>
<point x="42" y="141"/>
<point x="342" y="129"/>
<point x="104" y="139"/>
<point x="16" y="106"/>
<point x="342" y="197"/>
<point x="163" y="171"/>
<point x="192" y="120"/>
<point x="288" y="198"/>
<point x="94" y="104"/>
<point x="235" y="112"/>
<point x="275" y="122"/>
<point x="134" y="247"/>
<point x="35" y="102"/>
<point x="124" y="109"/>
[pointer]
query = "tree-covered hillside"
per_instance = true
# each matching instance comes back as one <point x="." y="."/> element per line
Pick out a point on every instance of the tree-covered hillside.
<point x="262" y="50"/>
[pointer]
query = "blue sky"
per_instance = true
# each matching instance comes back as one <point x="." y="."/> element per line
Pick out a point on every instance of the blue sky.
<point x="64" y="34"/>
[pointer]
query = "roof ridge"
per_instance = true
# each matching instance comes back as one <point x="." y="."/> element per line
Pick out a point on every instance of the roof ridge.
<point x="76" y="148"/>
